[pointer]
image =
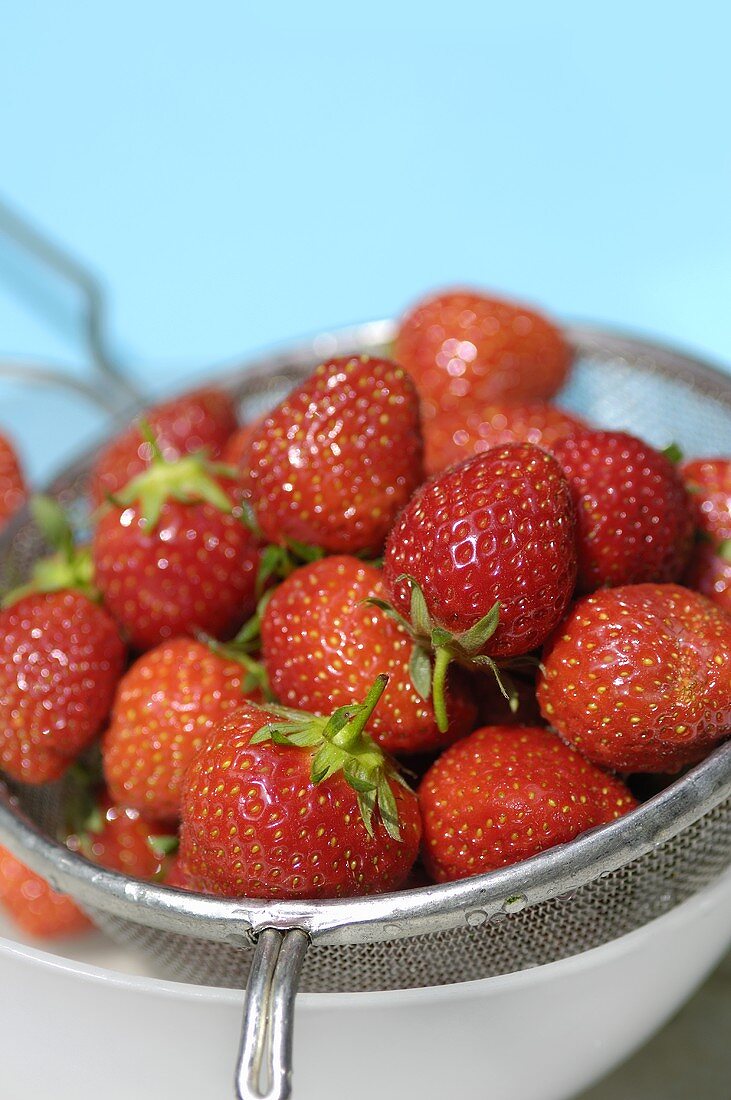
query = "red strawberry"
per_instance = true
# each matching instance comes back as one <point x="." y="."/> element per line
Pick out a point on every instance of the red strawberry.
<point x="201" y="420"/>
<point x="462" y="347"/>
<point x="639" y="678"/>
<point x="457" y="435"/>
<point x="286" y="805"/>
<point x="236" y="451"/>
<point x="324" y="645"/>
<point x="60" y="659"/>
<point x="12" y="486"/>
<point x="165" y="706"/>
<point x="176" y="876"/>
<point x="709" y="482"/>
<point x="710" y="573"/>
<point x="34" y="905"/>
<point x="173" y="556"/>
<point x="483" y="557"/>
<point x="633" y="517"/>
<point x="120" y="839"/>
<point x="336" y="461"/>
<point x="504" y="794"/>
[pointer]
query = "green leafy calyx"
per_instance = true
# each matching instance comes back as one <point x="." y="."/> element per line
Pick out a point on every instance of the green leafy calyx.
<point x="189" y="480"/>
<point x="435" y="648"/>
<point x="340" y="744"/>
<point x="70" y="567"/>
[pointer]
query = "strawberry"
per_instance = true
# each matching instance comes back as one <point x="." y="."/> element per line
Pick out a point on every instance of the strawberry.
<point x="165" y="706"/>
<point x="120" y="839"/>
<point x="457" y="435"/>
<point x="201" y="420"/>
<point x="176" y="876"/>
<point x="60" y="659"/>
<point x="323" y="645"/>
<point x="34" y="905"/>
<point x="634" y="523"/>
<point x="710" y="573"/>
<point x="281" y="804"/>
<point x="464" y="348"/>
<point x="236" y="451"/>
<point x="12" y="485"/>
<point x="709" y="483"/>
<point x="638" y="678"/>
<point x="504" y="794"/>
<point x="172" y="554"/>
<point x="336" y="461"/>
<point x="483" y="560"/>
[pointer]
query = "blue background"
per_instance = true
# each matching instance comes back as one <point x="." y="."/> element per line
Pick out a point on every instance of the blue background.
<point x="241" y="178"/>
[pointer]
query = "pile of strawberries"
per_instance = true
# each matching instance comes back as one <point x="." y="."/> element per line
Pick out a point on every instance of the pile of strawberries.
<point x="414" y="624"/>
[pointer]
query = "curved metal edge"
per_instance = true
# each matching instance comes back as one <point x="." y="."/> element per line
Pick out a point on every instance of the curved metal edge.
<point x="597" y="341"/>
<point x="264" y="1068"/>
<point x="386" y="916"/>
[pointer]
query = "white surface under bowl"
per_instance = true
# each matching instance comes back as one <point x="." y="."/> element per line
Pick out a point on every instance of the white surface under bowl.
<point x="71" y="1029"/>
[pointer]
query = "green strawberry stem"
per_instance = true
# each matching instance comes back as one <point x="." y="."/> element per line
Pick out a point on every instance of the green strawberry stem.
<point x="69" y="568"/>
<point x="724" y="550"/>
<point x="442" y="661"/>
<point x="352" y="731"/>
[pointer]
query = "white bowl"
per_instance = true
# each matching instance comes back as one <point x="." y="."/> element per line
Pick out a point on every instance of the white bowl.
<point x="71" y="1029"/>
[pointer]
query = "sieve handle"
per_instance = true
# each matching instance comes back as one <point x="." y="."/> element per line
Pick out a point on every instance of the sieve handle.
<point x="108" y="385"/>
<point x="264" y="1069"/>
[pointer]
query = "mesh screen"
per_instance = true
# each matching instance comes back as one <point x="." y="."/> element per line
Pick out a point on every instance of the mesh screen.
<point x="601" y="911"/>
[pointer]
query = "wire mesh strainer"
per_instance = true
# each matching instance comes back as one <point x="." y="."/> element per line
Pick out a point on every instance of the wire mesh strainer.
<point x="565" y="901"/>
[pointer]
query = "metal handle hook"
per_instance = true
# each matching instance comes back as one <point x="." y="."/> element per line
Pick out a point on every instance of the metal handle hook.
<point x="264" y="1069"/>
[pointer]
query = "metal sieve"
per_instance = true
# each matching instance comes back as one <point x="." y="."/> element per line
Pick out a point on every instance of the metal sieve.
<point x="568" y="900"/>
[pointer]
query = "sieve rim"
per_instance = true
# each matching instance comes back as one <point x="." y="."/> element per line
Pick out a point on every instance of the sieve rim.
<point x="476" y="900"/>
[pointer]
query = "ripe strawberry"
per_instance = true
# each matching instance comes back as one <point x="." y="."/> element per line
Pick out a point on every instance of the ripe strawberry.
<point x="236" y="451"/>
<point x="323" y="646"/>
<point x="165" y="706"/>
<point x="175" y="875"/>
<point x="464" y="348"/>
<point x="173" y="556"/>
<point x="201" y="420"/>
<point x="60" y="659"/>
<point x="34" y="905"/>
<point x="280" y="804"/>
<point x="12" y="485"/>
<point x="634" y="523"/>
<point x="457" y="435"/>
<point x="483" y="557"/>
<point x="336" y="461"/>
<point x="120" y="839"/>
<point x="504" y="794"/>
<point x="710" y="573"/>
<point x="709" y="483"/>
<point x="638" y="678"/>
